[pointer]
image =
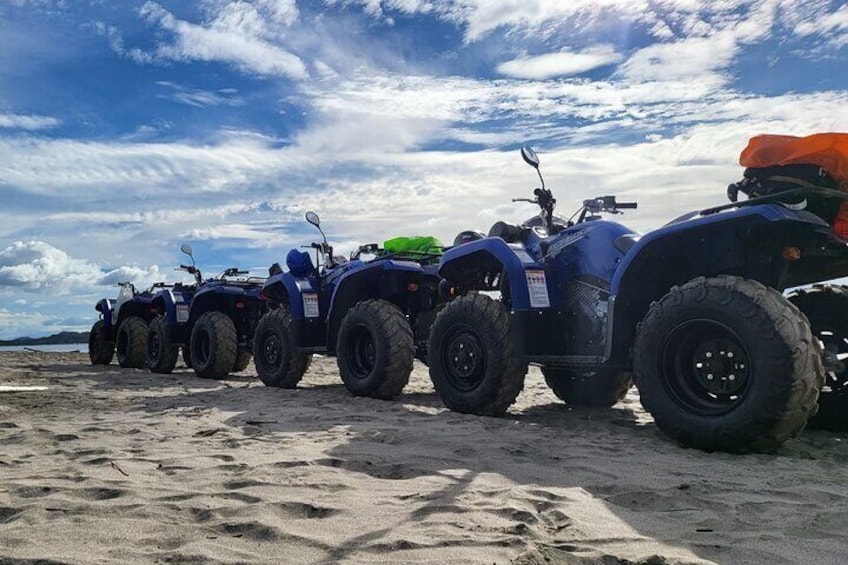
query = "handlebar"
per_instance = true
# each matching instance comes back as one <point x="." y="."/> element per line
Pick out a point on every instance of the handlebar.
<point x="627" y="205"/>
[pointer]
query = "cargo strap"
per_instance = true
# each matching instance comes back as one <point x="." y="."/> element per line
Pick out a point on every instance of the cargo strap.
<point x="793" y="180"/>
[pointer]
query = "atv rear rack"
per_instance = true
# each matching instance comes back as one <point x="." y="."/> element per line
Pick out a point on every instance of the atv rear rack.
<point x="776" y="197"/>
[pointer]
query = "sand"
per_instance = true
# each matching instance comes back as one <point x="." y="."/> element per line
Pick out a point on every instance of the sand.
<point x="110" y="465"/>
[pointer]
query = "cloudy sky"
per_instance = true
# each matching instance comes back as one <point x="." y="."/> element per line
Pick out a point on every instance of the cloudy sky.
<point x="127" y="128"/>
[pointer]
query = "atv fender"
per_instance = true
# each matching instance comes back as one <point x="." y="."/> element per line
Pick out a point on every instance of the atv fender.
<point x="384" y="279"/>
<point x="106" y="307"/>
<point x="221" y="297"/>
<point x="286" y="289"/>
<point x="468" y="264"/>
<point x="174" y="305"/>
<point x="745" y="242"/>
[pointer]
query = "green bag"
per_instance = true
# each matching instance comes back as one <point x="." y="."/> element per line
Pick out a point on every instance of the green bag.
<point x="414" y="245"/>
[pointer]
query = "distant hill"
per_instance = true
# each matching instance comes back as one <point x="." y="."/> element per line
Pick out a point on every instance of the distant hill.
<point x="55" y="339"/>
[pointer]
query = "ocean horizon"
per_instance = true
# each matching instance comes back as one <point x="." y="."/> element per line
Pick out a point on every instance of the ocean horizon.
<point x="52" y="348"/>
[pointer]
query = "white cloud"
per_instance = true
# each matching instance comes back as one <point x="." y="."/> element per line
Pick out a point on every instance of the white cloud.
<point x="249" y="235"/>
<point x="564" y="63"/>
<point x="543" y="17"/>
<point x="200" y="98"/>
<point x="37" y="266"/>
<point x="24" y="324"/>
<point x="236" y="33"/>
<point x="27" y="122"/>
<point x="50" y="166"/>
<point x="694" y="58"/>
<point x="283" y="12"/>
<point x="832" y="26"/>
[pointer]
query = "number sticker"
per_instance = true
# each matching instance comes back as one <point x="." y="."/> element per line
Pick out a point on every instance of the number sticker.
<point x="310" y="305"/>
<point x="537" y="287"/>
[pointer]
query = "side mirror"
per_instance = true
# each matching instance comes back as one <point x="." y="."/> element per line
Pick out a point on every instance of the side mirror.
<point x="186" y="248"/>
<point x="530" y="156"/>
<point x="313" y="219"/>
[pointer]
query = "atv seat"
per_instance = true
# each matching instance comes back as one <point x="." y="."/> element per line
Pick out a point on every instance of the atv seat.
<point x="624" y="242"/>
<point x="510" y="233"/>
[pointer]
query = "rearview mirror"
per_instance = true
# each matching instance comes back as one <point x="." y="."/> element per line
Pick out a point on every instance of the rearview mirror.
<point x="313" y="219"/>
<point x="186" y="248"/>
<point x="530" y="156"/>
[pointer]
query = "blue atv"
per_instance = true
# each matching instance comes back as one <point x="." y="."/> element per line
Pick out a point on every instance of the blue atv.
<point x="122" y="327"/>
<point x="373" y="315"/>
<point x="168" y="331"/>
<point x="692" y="311"/>
<point x="217" y="324"/>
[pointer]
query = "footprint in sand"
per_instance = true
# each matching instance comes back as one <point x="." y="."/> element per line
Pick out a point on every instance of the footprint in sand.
<point x="99" y="493"/>
<point x="8" y="514"/>
<point x="256" y="531"/>
<point x="303" y="510"/>
<point x="32" y="492"/>
<point x="394" y="472"/>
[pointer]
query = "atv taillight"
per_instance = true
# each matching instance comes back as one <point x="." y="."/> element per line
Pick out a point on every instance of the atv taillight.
<point x="840" y="226"/>
<point x="262" y="295"/>
<point x="239" y="305"/>
<point x="791" y="253"/>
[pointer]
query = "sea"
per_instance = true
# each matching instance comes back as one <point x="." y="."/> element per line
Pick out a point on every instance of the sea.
<point x="58" y="348"/>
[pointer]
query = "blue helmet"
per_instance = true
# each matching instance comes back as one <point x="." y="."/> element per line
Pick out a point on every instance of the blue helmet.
<point x="299" y="263"/>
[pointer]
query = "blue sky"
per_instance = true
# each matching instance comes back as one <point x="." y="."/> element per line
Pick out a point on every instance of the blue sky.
<point x="127" y="128"/>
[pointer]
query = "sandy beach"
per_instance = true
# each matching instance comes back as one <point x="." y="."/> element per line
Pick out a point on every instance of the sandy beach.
<point x="102" y="464"/>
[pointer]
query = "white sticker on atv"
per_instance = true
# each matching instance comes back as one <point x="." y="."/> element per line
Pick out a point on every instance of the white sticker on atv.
<point x="522" y="255"/>
<point x="310" y="305"/>
<point x="182" y="313"/>
<point x="537" y="286"/>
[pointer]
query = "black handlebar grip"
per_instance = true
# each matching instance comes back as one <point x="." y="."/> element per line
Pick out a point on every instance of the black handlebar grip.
<point x="631" y="205"/>
<point x="184" y="267"/>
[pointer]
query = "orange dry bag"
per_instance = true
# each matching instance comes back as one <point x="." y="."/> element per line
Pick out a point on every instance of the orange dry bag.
<point x="827" y="150"/>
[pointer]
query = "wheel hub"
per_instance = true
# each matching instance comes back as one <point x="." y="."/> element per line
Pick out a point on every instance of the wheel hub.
<point x="463" y="359"/>
<point x="720" y="367"/>
<point x="464" y="355"/>
<point x="362" y="352"/>
<point x="204" y="347"/>
<point x="705" y="366"/>
<point x="271" y="350"/>
<point x="154" y="347"/>
<point x="834" y="358"/>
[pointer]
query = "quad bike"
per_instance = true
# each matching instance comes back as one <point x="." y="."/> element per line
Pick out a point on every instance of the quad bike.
<point x="222" y="317"/>
<point x="122" y="327"/>
<point x="168" y="331"/>
<point x="692" y="312"/>
<point x="373" y="315"/>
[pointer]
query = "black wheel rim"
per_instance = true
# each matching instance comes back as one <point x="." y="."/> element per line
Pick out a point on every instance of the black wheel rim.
<point x="463" y="358"/>
<point x="706" y="367"/>
<point x="202" y="347"/>
<point x="361" y="352"/>
<point x="271" y="350"/>
<point x="154" y="347"/>
<point x="94" y="343"/>
<point x="123" y="344"/>
<point x="835" y="345"/>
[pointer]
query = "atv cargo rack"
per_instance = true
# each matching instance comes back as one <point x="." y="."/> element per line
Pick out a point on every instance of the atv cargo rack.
<point x="775" y="197"/>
